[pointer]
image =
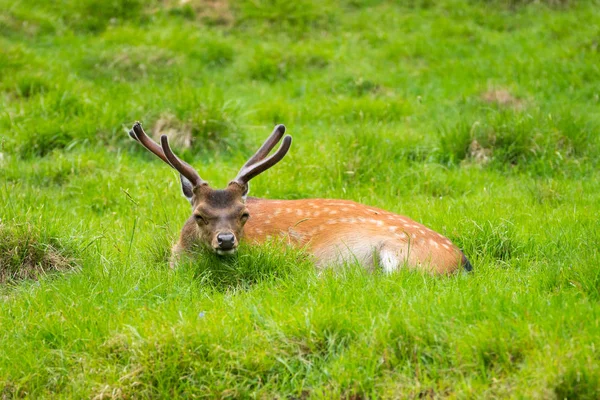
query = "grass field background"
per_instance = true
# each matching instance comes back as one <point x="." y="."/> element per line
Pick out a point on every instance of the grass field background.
<point x="479" y="119"/>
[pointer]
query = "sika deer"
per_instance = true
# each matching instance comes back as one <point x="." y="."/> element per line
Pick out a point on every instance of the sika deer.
<point x="335" y="231"/>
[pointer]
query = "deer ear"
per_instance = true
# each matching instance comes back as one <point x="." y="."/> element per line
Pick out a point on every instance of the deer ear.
<point x="246" y="191"/>
<point x="186" y="188"/>
<point x="237" y="187"/>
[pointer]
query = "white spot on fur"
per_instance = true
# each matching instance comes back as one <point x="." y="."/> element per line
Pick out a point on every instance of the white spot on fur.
<point x="277" y="212"/>
<point x="434" y="243"/>
<point x="393" y="228"/>
<point x="446" y="246"/>
<point x="389" y="260"/>
<point x="333" y="212"/>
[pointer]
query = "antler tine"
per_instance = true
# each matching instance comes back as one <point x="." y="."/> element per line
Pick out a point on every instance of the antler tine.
<point x="249" y="171"/>
<point x="267" y="146"/>
<point x="137" y="133"/>
<point x="184" y="169"/>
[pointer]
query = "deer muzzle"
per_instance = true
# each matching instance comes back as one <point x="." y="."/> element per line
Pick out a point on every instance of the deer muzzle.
<point x="226" y="243"/>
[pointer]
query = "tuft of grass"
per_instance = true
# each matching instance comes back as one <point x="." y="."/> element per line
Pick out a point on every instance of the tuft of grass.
<point x="496" y="240"/>
<point x="209" y="12"/>
<point x="515" y="4"/>
<point x="26" y="252"/>
<point x="507" y="139"/>
<point x="95" y="15"/>
<point x="26" y="86"/>
<point x="129" y="63"/>
<point x="249" y="266"/>
<point x="578" y="383"/>
<point x="215" y="54"/>
<point x="296" y="16"/>
<point x="30" y="23"/>
<point x="273" y="64"/>
<point x="356" y="86"/>
<point x="213" y="125"/>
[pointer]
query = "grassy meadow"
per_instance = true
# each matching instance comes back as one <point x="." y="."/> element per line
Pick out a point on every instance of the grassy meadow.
<point x="479" y="119"/>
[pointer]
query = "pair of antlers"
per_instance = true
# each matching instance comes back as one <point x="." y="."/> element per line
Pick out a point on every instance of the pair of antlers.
<point x="254" y="166"/>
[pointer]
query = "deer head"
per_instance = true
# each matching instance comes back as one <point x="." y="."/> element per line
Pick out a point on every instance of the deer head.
<point x="220" y="214"/>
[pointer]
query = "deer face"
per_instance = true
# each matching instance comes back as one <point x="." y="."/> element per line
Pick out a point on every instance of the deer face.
<point x="220" y="216"/>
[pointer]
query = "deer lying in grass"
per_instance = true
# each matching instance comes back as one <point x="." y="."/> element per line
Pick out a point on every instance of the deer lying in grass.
<point x="335" y="231"/>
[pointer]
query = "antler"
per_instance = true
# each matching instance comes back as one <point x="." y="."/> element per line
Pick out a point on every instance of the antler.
<point x="166" y="154"/>
<point x="257" y="163"/>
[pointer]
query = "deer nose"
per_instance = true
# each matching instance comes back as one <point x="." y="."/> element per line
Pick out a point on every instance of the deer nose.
<point x="226" y="241"/>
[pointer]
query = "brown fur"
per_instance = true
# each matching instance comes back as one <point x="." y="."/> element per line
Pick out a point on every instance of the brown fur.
<point x="335" y="231"/>
<point x="221" y="211"/>
<point x="327" y="227"/>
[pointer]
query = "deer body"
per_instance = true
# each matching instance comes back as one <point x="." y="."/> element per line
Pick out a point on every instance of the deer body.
<point x="334" y="231"/>
<point x="338" y="231"/>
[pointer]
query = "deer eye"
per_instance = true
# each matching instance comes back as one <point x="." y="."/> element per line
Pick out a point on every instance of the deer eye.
<point x="199" y="218"/>
<point x="245" y="216"/>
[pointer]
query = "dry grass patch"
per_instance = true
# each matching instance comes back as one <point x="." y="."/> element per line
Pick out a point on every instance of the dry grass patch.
<point x="503" y="98"/>
<point x="479" y="154"/>
<point x="27" y="253"/>
<point x="178" y="132"/>
<point x="130" y="63"/>
<point x="210" y="12"/>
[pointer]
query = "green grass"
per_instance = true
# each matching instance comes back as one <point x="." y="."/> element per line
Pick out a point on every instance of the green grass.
<point x="477" y="118"/>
